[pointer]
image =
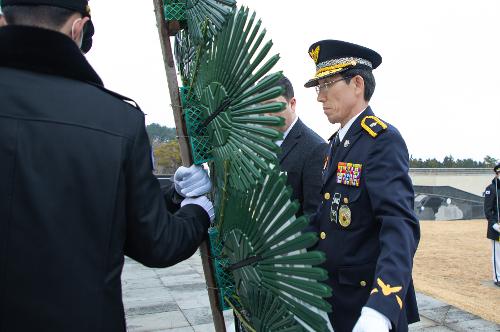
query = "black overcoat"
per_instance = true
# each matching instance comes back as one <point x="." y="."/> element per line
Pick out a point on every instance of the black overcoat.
<point x="77" y="191"/>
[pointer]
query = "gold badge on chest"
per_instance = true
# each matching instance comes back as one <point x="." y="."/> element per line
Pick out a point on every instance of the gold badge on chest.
<point x="344" y="216"/>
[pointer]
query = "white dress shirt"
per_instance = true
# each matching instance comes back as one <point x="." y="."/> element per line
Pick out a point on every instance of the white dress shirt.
<point x="344" y="129"/>
<point x="278" y="143"/>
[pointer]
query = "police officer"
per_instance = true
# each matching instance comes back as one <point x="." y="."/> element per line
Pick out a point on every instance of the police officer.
<point x="491" y="211"/>
<point x="366" y="223"/>
<point x="77" y="191"/>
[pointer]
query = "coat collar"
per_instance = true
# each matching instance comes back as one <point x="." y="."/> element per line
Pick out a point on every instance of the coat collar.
<point x="44" y="51"/>
<point x="356" y="125"/>
<point x="291" y="140"/>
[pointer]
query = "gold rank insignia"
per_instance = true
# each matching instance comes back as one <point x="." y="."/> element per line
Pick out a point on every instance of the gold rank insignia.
<point x="388" y="290"/>
<point x="314" y="54"/>
<point x="373" y="125"/>
<point x="344" y="216"/>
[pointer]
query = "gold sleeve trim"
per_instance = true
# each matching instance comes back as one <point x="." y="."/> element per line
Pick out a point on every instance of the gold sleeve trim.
<point x="332" y="69"/>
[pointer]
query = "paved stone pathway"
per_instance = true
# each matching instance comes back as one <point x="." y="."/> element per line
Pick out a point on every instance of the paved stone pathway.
<point x="175" y="300"/>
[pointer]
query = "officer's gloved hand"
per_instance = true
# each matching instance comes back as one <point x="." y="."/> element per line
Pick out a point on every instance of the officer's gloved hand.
<point x="192" y="181"/>
<point x="496" y="227"/>
<point x="372" y="321"/>
<point x="202" y="201"/>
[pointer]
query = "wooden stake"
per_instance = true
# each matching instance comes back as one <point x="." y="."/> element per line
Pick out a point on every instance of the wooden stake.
<point x="187" y="160"/>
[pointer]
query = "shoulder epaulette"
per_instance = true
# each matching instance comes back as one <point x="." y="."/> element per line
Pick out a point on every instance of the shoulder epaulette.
<point x="373" y="125"/>
<point x="127" y="100"/>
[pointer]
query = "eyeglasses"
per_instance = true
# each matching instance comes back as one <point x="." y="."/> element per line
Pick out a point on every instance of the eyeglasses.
<point x="326" y="85"/>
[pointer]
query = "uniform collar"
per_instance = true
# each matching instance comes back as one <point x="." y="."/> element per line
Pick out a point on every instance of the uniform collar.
<point x="44" y="51"/>
<point x="343" y="131"/>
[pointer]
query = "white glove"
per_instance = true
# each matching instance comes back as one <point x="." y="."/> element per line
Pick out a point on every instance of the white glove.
<point x="192" y="181"/>
<point x="372" y="321"/>
<point x="496" y="227"/>
<point x="202" y="201"/>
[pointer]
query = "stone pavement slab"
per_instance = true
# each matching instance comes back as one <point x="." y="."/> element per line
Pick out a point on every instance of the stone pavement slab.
<point x="175" y="299"/>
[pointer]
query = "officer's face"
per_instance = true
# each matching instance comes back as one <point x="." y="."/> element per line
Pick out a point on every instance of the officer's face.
<point x="339" y="99"/>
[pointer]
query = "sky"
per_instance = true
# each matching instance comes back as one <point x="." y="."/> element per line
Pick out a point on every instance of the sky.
<point x="438" y="82"/>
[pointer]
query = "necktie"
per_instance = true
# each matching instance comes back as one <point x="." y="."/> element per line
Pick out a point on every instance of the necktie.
<point x="336" y="142"/>
<point x="333" y="150"/>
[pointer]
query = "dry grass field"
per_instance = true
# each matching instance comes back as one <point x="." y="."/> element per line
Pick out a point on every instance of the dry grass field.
<point x="453" y="264"/>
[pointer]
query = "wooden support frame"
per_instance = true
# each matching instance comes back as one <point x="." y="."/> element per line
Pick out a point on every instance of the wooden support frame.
<point x="165" y="31"/>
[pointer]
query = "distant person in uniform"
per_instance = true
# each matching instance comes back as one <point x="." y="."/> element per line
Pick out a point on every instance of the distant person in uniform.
<point x="366" y="223"/>
<point x="77" y="191"/>
<point x="302" y="152"/>
<point x="492" y="211"/>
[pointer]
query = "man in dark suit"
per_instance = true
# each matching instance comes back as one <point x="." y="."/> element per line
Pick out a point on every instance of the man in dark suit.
<point x="77" y="191"/>
<point x="365" y="223"/>
<point x="302" y="152"/>
<point x="491" y="211"/>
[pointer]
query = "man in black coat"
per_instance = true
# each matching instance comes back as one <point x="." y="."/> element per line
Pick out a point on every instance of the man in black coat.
<point x="491" y="211"/>
<point x="302" y="153"/>
<point x="365" y="223"/>
<point x="77" y="191"/>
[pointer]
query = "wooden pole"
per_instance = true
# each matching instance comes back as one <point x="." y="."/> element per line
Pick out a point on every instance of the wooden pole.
<point x="165" y="31"/>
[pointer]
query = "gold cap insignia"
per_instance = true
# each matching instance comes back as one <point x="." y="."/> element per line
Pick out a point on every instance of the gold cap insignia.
<point x="315" y="54"/>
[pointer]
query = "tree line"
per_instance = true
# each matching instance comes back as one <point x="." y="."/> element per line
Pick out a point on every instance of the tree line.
<point x="167" y="154"/>
<point x="450" y="162"/>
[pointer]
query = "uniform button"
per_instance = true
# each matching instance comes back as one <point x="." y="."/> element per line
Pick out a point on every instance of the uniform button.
<point x="322" y="235"/>
<point x="362" y="283"/>
<point x="346" y="200"/>
<point x="327" y="195"/>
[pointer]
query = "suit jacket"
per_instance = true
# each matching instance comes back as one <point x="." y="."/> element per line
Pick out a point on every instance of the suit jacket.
<point x="302" y="155"/>
<point x="367" y="226"/>
<point x="490" y="208"/>
<point x="76" y="191"/>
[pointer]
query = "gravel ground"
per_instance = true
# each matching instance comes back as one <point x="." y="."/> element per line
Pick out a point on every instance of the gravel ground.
<point x="453" y="264"/>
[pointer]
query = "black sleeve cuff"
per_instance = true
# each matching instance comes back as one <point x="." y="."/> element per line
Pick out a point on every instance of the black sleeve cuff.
<point x="172" y="198"/>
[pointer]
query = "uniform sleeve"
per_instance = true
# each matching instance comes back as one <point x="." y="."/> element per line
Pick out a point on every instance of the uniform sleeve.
<point x="311" y="179"/>
<point x="391" y="196"/>
<point x="490" y="205"/>
<point x="156" y="237"/>
<point x="172" y="198"/>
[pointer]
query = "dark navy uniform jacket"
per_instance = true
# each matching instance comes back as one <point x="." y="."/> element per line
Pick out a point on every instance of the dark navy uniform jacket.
<point x="490" y="208"/>
<point x="367" y="226"/>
